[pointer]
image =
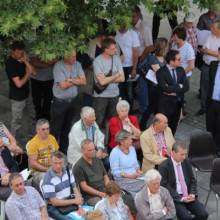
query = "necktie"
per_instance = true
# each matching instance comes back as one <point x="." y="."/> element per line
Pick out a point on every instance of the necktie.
<point x="174" y="75"/>
<point x="182" y="180"/>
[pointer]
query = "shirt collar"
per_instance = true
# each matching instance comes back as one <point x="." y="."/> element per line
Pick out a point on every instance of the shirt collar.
<point x="174" y="162"/>
<point x="53" y="174"/>
<point x="83" y="126"/>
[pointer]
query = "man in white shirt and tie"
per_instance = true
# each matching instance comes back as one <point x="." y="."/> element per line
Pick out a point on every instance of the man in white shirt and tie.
<point x="178" y="178"/>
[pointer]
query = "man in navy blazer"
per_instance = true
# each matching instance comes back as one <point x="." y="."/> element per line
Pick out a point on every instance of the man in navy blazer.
<point x="172" y="83"/>
<point x="178" y="178"/>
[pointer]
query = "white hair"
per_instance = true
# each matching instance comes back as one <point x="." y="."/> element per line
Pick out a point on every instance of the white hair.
<point x="87" y="111"/>
<point x="122" y="104"/>
<point x="151" y="175"/>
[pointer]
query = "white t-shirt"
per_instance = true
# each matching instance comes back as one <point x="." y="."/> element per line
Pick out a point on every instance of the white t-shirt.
<point x="187" y="53"/>
<point x="212" y="43"/>
<point x="127" y="41"/>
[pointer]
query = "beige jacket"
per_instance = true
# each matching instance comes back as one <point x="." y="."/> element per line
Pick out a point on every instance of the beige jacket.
<point x="149" y="148"/>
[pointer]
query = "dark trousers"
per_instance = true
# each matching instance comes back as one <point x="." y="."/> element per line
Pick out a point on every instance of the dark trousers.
<point x="172" y="110"/>
<point x="127" y="88"/>
<point x="55" y="214"/>
<point x="63" y="115"/>
<point x="153" y="95"/>
<point x="42" y="97"/>
<point x="156" y="24"/>
<point x="105" y="108"/>
<point x="213" y="121"/>
<point x="184" y="211"/>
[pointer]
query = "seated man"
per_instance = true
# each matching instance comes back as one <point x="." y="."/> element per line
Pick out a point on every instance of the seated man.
<point x="178" y="178"/>
<point x="154" y="201"/>
<point x="90" y="174"/>
<point x="156" y="142"/>
<point x="7" y="166"/>
<point x="25" y="202"/>
<point x="39" y="150"/>
<point x="57" y="184"/>
<point x="86" y="127"/>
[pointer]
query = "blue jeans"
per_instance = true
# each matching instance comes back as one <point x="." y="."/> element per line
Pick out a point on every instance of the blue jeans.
<point x="143" y="95"/>
<point x="54" y="213"/>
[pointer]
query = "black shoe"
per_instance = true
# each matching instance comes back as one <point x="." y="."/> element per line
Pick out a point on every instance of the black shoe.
<point x="200" y="112"/>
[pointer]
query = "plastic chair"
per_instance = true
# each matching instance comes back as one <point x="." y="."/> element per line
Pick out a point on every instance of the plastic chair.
<point x="2" y="210"/>
<point x="201" y="151"/>
<point x="215" y="183"/>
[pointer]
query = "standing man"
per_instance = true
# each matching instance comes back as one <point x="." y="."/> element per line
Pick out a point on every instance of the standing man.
<point x="19" y="71"/>
<point x="213" y="103"/>
<point x="178" y="178"/>
<point x="172" y="83"/>
<point x="129" y="43"/>
<point x="25" y="202"/>
<point x="68" y="75"/>
<point x="210" y="53"/>
<point x="108" y="73"/>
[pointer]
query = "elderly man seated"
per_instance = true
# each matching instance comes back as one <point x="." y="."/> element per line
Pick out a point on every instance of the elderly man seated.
<point x="156" y="142"/>
<point x="85" y="128"/>
<point x="90" y="174"/>
<point x="40" y="149"/>
<point x="154" y="201"/>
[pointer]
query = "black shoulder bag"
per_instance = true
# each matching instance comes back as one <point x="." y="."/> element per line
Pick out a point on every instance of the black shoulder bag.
<point x="65" y="210"/>
<point x="98" y="87"/>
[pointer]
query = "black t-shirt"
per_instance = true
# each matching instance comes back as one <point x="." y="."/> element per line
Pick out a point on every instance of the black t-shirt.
<point x="13" y="69"/>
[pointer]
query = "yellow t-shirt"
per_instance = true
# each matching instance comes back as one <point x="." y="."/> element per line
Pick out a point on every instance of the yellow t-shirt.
<point x="42" y="148"/>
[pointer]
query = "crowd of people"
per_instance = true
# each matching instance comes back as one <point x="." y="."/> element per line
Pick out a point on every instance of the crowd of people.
<point x="89" y="150"/>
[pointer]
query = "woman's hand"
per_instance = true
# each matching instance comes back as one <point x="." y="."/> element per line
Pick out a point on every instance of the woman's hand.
<point x="16" y="150"/>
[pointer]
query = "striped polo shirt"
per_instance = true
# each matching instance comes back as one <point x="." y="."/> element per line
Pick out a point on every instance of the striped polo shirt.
<point x="55" y="186"/>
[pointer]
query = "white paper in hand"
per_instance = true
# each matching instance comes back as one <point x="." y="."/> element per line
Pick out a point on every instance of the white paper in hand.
<point x="151" y="75"/>
<point x="25" y="174"/>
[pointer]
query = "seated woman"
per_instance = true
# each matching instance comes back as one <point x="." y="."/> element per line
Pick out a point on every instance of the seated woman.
<point x="112" y="206"/>
<point x="126" y="122"/>
<point x="124" y="165"/>
<point x="154" y="201"/>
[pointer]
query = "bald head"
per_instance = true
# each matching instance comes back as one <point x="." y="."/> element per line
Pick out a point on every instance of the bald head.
<point x="160" y="122"/>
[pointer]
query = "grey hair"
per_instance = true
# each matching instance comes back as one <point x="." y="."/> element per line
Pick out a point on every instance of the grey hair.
<point x="14" y="176"/>
<point x="85" y="142"/>
<point x="122" y="135"/>
<point x="122" y="104"/>
<point x="151" y="175"/>
<point x="87" y="111"/>
<point x="41" y="122"/>
<point x="177" y="145"/>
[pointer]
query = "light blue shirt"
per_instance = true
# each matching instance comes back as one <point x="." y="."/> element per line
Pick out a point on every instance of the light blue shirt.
<point x="216" y="88"/>
<point x="121" y="162"/>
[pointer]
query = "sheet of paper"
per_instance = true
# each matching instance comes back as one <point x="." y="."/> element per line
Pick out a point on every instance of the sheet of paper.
<point x="151" y="76"/>
<point x="25" y="174"/>
<point x="75" y="216"/>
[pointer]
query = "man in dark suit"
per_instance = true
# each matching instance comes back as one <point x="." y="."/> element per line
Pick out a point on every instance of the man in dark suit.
<point x="213" y="103"/>
<point x="172" y="84"/>
<point x="178" y="178"/>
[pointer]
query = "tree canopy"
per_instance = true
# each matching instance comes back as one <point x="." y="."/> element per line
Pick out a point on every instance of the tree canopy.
<point x="52" y="28"/>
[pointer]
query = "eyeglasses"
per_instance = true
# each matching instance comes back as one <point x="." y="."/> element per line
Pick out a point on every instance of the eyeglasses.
<point x="45" y="129"/>
<point x="178" y="59"/>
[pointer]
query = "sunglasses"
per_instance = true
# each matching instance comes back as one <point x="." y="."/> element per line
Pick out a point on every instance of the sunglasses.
<point x="45" y="129"/>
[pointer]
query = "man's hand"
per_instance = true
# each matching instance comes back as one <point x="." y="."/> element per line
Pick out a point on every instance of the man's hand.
<point x="165" y="210"/>
<point x="78" y="201"/>
<point x="102" y="195"/>
<point x="187" y="199"/>
<point x="133" y="73"/>
<point x="99" y="154"/>
<point x="5" y="179"/>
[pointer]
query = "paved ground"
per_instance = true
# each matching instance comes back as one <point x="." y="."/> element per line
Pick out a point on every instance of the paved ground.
<point x="187" y="125"/>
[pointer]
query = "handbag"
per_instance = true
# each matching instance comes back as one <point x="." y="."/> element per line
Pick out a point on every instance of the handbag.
<point x="98" y="88"/>
<point x="65" y="210"/>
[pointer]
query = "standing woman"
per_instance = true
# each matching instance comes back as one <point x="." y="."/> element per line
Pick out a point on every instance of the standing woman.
<point x="154" y="62"/>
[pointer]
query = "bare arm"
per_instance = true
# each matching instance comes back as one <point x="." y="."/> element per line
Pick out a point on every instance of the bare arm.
<point x="146" y="51"/>
<point x="70" y="82"/>
<point x="120" y="78"/>
<point x="106" y="179"/>
<point x="88" y="189"/>
<point x="105" y="80"/>
<point x="210" y="52"/>
<point x="35" y="165"/>
<point x="191" y="66"/>
<point x="44" y="215"/>
<point x="135" y="53"/>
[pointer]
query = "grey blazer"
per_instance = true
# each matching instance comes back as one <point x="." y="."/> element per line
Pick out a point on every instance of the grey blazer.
<point x="143" y="205"/>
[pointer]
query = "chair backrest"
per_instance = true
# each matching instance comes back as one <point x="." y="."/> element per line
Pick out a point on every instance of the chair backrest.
<point x="215" y="177"/>
<point x="201" y="144"/>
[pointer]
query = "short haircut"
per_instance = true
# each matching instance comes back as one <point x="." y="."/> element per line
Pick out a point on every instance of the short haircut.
<point x="217" y="22"/>
<point x="87" y="111"/>
<point x="122" y="135"/>
<point x="17" y="45"/>
<point x="85" y="142"/>
<point x="179" y="145"/>
<point x="112" y="188"/>
<point x="59" y="155"/>
<point x="122" y="104"/>
<point x="160" y="46"/>
<point x="171" y="55"/>
<point x="107" y="42"/>
<point x="180" y="32"/>
<point x="14" y="176"/>
<point x="41" y="122"/>
<point x="94" y="215"/>
<point x="151" y="175"/>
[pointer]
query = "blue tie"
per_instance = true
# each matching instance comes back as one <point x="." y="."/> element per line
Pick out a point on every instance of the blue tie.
<point x="174" y="76"/>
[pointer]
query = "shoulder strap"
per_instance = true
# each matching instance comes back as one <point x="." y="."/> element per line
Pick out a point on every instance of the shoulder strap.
<point x="68" y="173"/>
